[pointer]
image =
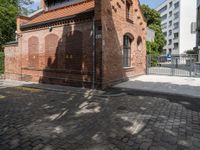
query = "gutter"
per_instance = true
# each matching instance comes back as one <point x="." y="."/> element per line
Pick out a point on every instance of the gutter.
<point x="11" y="43"/>
<point x="81" y="15"/>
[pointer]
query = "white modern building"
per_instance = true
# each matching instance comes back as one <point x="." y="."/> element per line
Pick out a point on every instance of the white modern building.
<point x="198" y="24"/>
<point x="178" y="20"/>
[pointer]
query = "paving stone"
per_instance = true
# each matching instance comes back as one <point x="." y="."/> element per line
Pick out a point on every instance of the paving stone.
<point x="38" y="147"/>
<point x="196" y="142"/>
<point x="125" y="140"/>
<point x="145" y="146"/>
<point x="49" y="120"/>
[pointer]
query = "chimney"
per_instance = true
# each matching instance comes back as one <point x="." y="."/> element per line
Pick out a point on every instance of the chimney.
<point x="42" y="4"/>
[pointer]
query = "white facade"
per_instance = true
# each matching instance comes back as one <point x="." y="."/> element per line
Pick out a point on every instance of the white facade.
<point x="198" y="2"/>
<point x="178" y="19"/>
<point x="198" y="24"/>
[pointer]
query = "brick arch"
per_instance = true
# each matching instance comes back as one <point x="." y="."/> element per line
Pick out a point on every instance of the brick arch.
<point x="74" y="51"/>
<point x="129" y="35"/>
<point x="33" y="51"/>
<point x="51" y="50"/>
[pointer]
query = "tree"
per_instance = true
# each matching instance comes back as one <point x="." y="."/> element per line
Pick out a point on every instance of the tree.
<point x="9" y="10"/>
<point x="23" y="6"/>
<point x="154" y="23"/>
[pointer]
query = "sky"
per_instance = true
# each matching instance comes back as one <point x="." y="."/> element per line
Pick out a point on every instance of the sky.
<point x="35" y="4"/>
<point x="151" y="3"/>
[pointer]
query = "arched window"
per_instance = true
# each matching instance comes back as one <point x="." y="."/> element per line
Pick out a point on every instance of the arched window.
<point x="51" y="48"/>
<point x="33" y="52"/>
<point x="127" y="50"/>
<point x="139" y="44"/>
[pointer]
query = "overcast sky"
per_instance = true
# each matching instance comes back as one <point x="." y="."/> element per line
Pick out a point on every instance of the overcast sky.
<point x="151" y="3"/>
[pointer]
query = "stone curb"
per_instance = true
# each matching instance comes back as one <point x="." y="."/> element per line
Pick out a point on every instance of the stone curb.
<point x="81" y="91"/>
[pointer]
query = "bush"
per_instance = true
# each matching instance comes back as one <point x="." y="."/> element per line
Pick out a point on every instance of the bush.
<point x="194" y="51"/>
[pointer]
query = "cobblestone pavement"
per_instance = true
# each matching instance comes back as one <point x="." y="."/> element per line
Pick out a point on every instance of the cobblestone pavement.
<point x="48" y="120"/>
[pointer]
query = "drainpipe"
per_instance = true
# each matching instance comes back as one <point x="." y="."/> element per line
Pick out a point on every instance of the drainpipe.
<point x="198" y="55"/>
<point x="94" y="55"/>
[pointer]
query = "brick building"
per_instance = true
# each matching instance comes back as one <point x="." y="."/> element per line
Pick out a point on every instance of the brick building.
<point x="79" y="42"/>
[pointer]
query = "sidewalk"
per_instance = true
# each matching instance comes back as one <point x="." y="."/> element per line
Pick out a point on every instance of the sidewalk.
<point x="184" y="86"/>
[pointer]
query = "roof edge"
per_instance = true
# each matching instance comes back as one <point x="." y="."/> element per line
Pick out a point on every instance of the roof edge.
<point x="71" y="5"/>
<point x="85" y="13"/>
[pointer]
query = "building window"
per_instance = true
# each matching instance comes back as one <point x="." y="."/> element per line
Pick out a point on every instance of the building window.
<point x="127" y="51"/>
<point x="170" y="4"/>
<point x="176" y="35"/>
<point x="170" y="23"/>
<point x="129" y="10"/>
<point x="164" y="26"/>
<point x="169" y="42"/>
<point x="176" y="46"/>
<point x="164" y="17"/>
<point x="170" y="13"/>
<point x="53" y="4"/>
<point x="165" y="34"/>
<point x="163" y="9"/>
<point x="170" y="32"/>
<point x="176" y="5"/>
<point x="170" y="51"/>
<point x="176" y="15"/>
<point x="176" y="25"/>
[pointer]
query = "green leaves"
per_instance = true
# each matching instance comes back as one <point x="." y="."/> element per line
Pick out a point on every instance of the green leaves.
<point x="8" y="13"/>
<point x="154" y="23"/>
<point x="9" y="10"/>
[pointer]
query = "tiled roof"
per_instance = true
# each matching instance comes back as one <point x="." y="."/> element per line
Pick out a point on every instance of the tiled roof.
<point x="63" y="12"/>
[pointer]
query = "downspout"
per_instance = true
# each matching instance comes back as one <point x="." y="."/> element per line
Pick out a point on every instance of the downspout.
<point x="94" y="56"/>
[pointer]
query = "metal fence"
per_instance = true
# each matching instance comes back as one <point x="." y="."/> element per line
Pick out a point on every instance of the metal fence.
<point x="183" y="65"/>
<point x="1" y="63"/>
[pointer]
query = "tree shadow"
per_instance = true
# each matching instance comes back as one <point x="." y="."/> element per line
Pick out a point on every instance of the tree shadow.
<point x="83" y="121"/>
<point x="172" y="92"/>
<point x="68" y="59"/>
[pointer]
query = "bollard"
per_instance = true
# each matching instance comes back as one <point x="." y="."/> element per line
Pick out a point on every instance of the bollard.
<point x="176" y="62"/>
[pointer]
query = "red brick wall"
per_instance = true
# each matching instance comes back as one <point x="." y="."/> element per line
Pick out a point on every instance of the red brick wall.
<point x="12" y="62"/>
<point x="114" y="27"/>
<point x="49" y="56"/>
<point x="64" y="55"/>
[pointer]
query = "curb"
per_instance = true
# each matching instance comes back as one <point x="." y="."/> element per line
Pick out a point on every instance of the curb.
<point x="78" y="90"/>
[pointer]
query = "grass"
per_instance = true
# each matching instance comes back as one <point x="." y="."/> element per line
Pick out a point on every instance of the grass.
<point x="27" y="89"/>
<point x="2" y="97"/>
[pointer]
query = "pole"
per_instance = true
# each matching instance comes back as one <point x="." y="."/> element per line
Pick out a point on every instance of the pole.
<point x="94" y="56"/>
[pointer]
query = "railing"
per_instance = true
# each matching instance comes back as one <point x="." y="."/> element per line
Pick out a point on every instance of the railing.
<point x="181" y="65"/>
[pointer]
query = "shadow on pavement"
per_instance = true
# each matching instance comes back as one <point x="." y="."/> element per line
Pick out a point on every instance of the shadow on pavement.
<point x="37" y="118"/>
